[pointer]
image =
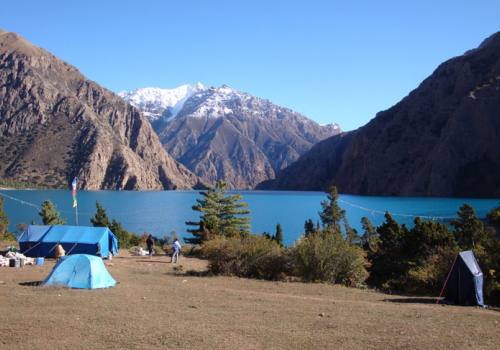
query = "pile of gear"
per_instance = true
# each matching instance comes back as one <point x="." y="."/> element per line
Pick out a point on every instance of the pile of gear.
<point x="13" y="258"/>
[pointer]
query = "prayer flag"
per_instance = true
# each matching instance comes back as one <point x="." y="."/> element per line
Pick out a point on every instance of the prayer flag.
<point x="73" y="186"/>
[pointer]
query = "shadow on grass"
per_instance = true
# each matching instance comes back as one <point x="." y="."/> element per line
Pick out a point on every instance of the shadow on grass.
<point x="31" y="283"/>
<point x="153" y="261"/>
<point x="410" y="300"/>
<point x="190" y="273"/>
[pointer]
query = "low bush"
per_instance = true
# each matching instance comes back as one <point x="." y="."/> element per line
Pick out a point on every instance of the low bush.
<point x="7" y="236"/>
<point x="326" y="257"/>
<point x="190" y="250"/>
<point x="247" y="256"/>
<point x="427" y="277"/>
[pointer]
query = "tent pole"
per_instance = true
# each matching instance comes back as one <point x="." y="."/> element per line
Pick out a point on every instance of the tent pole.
<point x="446" y="281"/>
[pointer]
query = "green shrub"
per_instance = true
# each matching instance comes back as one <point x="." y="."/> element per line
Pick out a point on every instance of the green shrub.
<point x="326" y="257"/>
<point x="248" y="256"/>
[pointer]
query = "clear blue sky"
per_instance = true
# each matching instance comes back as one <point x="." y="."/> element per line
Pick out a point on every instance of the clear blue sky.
<point x="334" y="61"/>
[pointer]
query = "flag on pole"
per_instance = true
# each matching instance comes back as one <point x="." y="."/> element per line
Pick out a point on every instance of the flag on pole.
<point x="73" y="186"/>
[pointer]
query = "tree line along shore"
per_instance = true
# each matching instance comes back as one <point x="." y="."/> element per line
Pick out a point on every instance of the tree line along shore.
<point x="390" y="257"/>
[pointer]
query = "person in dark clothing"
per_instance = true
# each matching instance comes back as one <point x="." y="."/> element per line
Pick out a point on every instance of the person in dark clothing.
<point x="150" y="243"/>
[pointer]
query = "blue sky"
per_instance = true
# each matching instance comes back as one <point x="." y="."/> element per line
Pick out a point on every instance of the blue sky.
<point x="334" y="61"/>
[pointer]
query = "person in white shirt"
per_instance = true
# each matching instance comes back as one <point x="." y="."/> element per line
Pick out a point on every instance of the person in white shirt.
<point x="176" y="249"/>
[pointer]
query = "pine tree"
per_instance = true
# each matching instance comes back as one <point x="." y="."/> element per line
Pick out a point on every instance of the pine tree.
<point x="309" y="227"/>
<point x="469" y="230"/>
<point x="425" y="238"/>
<point x="278" y="237"/>
<point x="50" y="215"/>
<point x="232" y="217"/>
<point x="387" y="264"/>
<point x="493" y="218"/>
<point x="4" y="220"/>
<point x="369" y="239"/>
<point x="221" y="214"/>
<point x="351" y="235"/>
<point x="332" y="214"/>
<point x="100" y="219"/>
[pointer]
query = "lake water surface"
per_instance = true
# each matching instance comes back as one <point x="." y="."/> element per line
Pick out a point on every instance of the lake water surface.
<point x="160" y="212"/>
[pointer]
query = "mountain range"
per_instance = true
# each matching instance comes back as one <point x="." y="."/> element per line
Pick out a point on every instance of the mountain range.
<point x="440" y="140"/>
<point x="55" y="125"/>
<point x="220" y="133"/>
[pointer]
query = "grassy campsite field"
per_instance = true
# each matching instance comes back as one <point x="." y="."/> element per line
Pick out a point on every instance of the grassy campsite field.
<point x="156" y="307"/>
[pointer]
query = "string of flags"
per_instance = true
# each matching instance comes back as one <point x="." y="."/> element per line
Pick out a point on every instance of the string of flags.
<point x="73" y="192"/>
<point x="20" y="201"/>
<point x="372" y="211"/>
<point x="375" y="211"/>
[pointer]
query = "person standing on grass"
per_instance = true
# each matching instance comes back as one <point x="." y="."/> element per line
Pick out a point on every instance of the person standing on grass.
<point x="176" y="249"/>
<point x="150" y="242"/>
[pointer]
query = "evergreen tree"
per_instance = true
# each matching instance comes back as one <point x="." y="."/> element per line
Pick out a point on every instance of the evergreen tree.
<point x="125" y="238"/>
<point x="50" y="215"/>
<point x="469" y="230"/>
<point x="309" y="227"/>
<point x="4" y="220"/>
<point x="369" y="239"/>
<point x="387" y="263"/>
<point x="278" y="237"/>
<point x="332" y="214"/>
<point x="351" y="235"/>
<point x="100" y="219"/>
<point x="429" y="249"/>
<point x="221" y="214"/>
<point x="233" y="219"/>
<point x="493" y="218"/>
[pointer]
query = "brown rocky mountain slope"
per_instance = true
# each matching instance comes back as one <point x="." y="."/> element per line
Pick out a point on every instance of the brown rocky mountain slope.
<point x="441" y="140"/>
<point x="221" y="133"/>
<point x="55" y="124"/>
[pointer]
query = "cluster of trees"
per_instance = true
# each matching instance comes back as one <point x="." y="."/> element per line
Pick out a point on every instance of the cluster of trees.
<point x="417" y="259"/>
<point x="390" y="256"/>
<point x="322" y="254"/>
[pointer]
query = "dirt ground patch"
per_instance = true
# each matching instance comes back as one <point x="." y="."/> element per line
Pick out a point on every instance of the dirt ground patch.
<point x="156" y="307"/>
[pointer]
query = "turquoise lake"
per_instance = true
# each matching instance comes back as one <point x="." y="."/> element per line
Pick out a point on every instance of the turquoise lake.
<point x="160" y="212"/>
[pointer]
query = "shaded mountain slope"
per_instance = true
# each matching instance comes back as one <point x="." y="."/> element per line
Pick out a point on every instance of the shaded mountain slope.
<point x="440" y="140"/>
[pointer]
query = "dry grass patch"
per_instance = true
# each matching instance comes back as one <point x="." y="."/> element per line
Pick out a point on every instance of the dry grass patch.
<point x="156" y="307"/>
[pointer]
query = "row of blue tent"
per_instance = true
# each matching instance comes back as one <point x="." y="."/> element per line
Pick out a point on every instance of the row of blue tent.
<point x="83" y="267"/>
<point x="41" y="241"/>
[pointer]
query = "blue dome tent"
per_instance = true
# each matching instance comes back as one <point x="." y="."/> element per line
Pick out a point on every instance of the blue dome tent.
<point x="464" y="285"/>
<point x="80" y="271"/>
<point x="40" y="241"/>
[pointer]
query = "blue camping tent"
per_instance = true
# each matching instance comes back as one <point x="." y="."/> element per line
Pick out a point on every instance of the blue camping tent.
<point x="81" y="271"/>
<point x="40" y="241"/>
<point x="465" y="282"/>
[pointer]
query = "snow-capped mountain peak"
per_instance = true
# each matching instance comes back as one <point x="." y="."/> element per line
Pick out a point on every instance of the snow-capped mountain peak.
<point x="155" y="101"/>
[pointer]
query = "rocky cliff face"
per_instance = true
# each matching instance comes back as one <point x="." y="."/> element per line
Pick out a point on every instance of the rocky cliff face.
<point x="55" y="124"/>
<point x="224" y="134"/>
<point x="440" y="140"/>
